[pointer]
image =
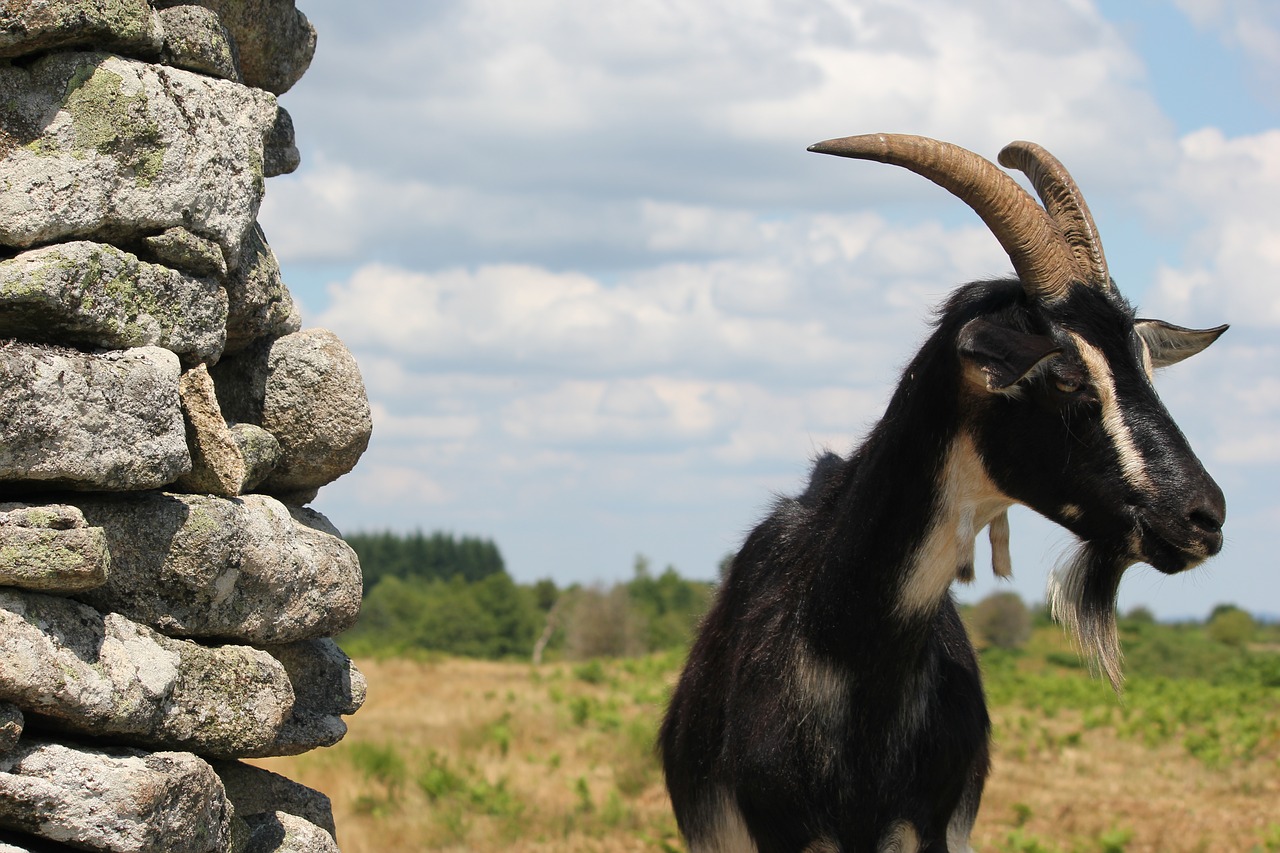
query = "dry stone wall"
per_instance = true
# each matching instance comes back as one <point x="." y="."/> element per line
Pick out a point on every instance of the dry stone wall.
<point x="167" y="600"/>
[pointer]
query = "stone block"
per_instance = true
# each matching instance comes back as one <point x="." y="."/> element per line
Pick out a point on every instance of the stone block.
<point x="37" y="26"/>
<point x="259" y="304"/>
<point x="114" y="798"/>
<point x="51" y="548"/>
<point x="249" y="569"/>
<point x="81" y="671"/>
<point x="96" y="146"/>
<point x="95" y="295"/>
<point x="306" y="390"/>
<point x="75" y="420"/>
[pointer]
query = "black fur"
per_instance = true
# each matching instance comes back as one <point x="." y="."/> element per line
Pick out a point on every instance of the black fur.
<point x="898" y="730"/>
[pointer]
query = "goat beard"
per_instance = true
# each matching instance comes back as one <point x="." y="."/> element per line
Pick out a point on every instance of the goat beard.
<point x="1082" y="597"/>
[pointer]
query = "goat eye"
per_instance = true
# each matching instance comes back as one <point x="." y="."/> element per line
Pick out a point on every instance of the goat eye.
<point x="1066" y="386"/>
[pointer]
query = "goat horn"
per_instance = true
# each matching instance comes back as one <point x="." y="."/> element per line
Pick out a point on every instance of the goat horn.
<point x="1065" y="204"/>
<point x="1034" y="243"/>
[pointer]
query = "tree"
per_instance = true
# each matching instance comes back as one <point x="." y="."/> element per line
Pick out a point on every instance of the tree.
<point x="1002" y="620"/>
<point x="439" y="556"/>
<point x="602" y="624"/>
<point x="1231" y="626"/>
<point x="669" y="605"/>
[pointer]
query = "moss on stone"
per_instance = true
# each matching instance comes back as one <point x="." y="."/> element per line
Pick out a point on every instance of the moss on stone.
<point x="107" y="120"/>
<point x="40" y="559"/>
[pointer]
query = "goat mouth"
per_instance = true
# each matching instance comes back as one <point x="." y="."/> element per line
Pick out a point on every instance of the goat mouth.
<point x="1173" y="552"/>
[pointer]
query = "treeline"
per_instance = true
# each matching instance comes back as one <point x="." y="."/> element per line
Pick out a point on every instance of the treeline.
<point x="442" y="593"/>
<point x="440" y="556"/>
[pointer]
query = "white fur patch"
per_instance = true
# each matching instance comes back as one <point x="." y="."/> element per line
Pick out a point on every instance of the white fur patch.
<point x="967" y="502"/>
<point x="730" y="834"/>
<point x="900" y="838"/>
<point x="1133" y="466"/>
<point x="824" y="688"/>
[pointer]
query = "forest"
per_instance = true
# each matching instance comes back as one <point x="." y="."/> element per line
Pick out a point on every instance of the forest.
<point x="453" y="595"/>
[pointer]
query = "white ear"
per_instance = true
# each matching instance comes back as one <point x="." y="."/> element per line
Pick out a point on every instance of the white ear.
<point x="1170" y="344"/>
<point x="998" y="533"/>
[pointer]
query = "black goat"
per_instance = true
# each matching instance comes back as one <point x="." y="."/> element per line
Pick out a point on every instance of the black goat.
<point x="832" y="701"/>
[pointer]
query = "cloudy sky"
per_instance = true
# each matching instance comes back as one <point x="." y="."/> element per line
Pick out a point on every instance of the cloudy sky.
<point x="605" y="303"/>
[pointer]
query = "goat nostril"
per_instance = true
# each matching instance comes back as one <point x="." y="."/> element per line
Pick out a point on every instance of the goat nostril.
<point x="1206" y="520"/>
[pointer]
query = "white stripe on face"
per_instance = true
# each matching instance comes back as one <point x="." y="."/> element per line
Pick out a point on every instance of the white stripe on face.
<point x="1132" y="464"/>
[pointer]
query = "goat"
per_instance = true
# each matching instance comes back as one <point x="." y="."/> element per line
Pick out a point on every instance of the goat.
<point x="832" y="699"/>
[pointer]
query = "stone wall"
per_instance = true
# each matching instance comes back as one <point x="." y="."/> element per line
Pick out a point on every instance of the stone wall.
<point x="166" y="598"/>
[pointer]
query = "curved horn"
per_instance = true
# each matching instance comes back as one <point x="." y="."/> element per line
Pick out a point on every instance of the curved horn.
<point x="1065" y="204"/>
<point x="1040" y="254"/>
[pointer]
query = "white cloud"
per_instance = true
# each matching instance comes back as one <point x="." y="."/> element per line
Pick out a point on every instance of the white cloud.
<point x="604" y="302"/>
<point x="815" y="300"/>
<point x="543" y="131"/>
<point x="1227" y="188"/>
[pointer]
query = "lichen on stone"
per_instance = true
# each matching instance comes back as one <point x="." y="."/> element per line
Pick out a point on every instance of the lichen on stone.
<point x="107" y="119"/>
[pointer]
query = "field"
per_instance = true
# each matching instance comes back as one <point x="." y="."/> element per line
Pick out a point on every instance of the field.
<point x="455" y="754"/>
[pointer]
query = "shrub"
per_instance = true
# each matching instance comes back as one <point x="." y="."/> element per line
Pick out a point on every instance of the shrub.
<point x="1231" y="627"/>
<point x="1002" y="620"/>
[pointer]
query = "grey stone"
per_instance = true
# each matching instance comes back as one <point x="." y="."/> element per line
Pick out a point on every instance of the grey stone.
<point x="327" y="686"/>
<point x="81" y="671"/>
<point x="179" y="248"/>
<point x="114" y="798"/>
<point x="196" y="39"/>
<point x="96" y="295"/>
<point x="11" y="723"/>
<point x="306" y="390"/>
<point x="275" y="41"/>
<point x="281" y="832"/>
<point x="98" y="146"/>
<point x="248" y="569"/>
<point x="36" y="26"/>
<point x="51" y="548"/>
<point x="281" y="151"/>
<point x="260" y="306"/>
<point x="254" y="791"/>
<point x="109" y="421"/>
<point x="260" y="452"/>
<point x="224" y="461"/>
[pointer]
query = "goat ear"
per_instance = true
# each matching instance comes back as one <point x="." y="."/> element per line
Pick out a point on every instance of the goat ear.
<point x="1003" y="356"/>
<point x="1170" y="344"/>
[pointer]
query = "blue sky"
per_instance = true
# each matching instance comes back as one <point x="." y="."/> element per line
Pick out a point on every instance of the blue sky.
<point x="606" y="304"/>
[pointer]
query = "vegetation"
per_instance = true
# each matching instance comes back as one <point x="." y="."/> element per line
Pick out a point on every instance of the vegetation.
<point x="439" y="593"/>
<point x="458" y="754"/>
<point x="1001" y="621"/>
<point x="440" y="556"/>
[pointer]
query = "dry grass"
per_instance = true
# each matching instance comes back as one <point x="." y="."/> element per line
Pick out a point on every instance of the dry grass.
<point x="496" y="756"/>
<point x="462" y="755"/>
<point x="1088" y="789"/>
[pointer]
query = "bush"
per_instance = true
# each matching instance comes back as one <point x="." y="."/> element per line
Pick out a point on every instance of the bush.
<point x="1002" y="620"/>
<point x="1231" y="626"/>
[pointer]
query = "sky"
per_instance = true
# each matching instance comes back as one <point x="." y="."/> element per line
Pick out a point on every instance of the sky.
<point x="606" y="304"/>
